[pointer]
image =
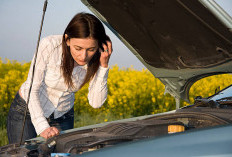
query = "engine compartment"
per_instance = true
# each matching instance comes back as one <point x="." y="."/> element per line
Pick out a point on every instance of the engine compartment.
<point x="115" y="133"/>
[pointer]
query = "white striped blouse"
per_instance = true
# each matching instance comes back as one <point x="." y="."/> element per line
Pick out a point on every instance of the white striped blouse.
<point x="49" y="92"/>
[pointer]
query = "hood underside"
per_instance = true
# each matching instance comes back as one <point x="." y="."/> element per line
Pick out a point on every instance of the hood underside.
<point x="179" y="41"/>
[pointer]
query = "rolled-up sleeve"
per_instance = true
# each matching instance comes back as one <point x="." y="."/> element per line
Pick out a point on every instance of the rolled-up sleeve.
<point x="98" y="88"/>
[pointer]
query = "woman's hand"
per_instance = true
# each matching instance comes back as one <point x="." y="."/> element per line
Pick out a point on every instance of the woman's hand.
<point x="105" y="55"/>
<point x="50" y="132"/>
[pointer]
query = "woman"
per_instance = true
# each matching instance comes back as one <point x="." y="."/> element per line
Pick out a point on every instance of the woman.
<point x="64" y="64"/>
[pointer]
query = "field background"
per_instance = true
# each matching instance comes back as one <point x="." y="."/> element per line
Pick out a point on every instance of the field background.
<point x="131" y="93"/>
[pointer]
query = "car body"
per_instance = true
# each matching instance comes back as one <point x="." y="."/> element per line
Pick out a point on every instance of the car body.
<point x="180" y="42"/>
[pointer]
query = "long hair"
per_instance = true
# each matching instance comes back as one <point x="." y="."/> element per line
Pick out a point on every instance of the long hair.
<point x="82" y="25"/>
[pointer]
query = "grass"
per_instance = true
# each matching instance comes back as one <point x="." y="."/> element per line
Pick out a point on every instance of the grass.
<point x="3" y="137"/>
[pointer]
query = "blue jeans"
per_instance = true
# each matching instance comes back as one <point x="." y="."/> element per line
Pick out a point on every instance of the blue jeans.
<point x="16" y="116"/>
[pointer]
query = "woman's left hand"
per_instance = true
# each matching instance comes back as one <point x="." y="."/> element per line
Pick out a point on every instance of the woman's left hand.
<point x="105" y="55"/>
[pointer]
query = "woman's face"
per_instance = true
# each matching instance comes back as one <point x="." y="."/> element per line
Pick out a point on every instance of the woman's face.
<point x="82" y="49"/>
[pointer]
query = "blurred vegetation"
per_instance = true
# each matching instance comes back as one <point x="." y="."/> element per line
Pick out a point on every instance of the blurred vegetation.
<point x="131" y="93"/>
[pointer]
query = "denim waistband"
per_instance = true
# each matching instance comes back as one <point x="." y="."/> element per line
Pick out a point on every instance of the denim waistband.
<point x="69" y="114"/>
<point x="20" y="100"/>
<point x="19" y="104"/>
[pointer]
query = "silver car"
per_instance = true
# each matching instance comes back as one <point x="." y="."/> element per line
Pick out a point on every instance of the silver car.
<point x="180" y="42"/>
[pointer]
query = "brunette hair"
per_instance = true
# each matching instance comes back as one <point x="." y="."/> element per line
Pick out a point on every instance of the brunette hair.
<point x="82" y="25"/>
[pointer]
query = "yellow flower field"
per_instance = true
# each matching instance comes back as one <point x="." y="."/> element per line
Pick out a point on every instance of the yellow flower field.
<point x="130" y="93"/>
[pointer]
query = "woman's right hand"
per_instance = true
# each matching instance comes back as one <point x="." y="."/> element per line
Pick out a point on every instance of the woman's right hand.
<point x="50" y="132"/>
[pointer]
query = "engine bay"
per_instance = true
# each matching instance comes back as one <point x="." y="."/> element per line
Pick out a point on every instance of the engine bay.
<point x="82" y="141"/>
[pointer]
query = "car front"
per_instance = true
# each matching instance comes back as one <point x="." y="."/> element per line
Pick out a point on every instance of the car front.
<point x="180" y="42"/>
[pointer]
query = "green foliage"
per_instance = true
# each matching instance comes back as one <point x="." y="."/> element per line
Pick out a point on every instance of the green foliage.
<point x="12" y="75"/>
<point x="131" y="93"/>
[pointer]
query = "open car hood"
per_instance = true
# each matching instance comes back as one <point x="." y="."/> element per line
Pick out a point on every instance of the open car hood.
<point x="179" y="41"/>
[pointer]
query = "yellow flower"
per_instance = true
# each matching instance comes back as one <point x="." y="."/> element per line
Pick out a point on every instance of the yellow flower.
<point x="153" y="99"/>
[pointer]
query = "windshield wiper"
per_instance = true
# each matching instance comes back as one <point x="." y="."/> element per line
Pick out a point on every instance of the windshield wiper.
<point x="203" y="102"/>
<point x="225" y="101"/>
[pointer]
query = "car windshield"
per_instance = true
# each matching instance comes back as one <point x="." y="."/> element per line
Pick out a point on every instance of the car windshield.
<point x="223" y="94"/>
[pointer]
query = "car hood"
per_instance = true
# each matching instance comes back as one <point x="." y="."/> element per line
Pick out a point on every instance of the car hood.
<point x="179" y="41"/>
